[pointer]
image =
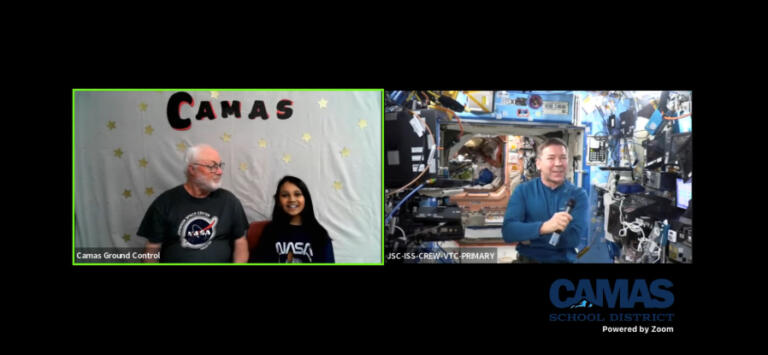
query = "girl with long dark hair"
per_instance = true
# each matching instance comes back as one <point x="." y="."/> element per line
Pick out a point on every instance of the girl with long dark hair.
<point x="294" y="235"/>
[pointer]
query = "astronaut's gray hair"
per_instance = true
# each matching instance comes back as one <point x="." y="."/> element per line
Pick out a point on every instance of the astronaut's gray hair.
<point x="550" y="141"/>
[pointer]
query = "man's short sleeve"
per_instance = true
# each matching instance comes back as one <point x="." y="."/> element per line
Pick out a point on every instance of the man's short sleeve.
<point x="239" y="220"/>
<point x="152" y="226"/>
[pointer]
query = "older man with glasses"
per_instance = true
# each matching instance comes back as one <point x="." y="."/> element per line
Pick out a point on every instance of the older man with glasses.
<point x="197" y="221"/>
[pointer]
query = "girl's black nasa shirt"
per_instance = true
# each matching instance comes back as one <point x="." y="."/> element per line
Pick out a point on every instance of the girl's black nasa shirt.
<point x="293" y="244"/>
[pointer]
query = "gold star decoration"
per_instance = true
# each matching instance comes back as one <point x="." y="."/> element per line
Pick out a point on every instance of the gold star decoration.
<point x="287" y="158"/>
<point x="362" y="124"/>
<point x="149" y="191"/>
<point x="181" y="147"/>
<point x="345" y="152"/>
<point x="148" y="130"/>
<point x="226" y="137"/>
<point x="262" y="143"/>
<point x="337" y="185"/>
<point x="143" y="163"/>
<point x="306" y="137"/>
<point x="126" y="193"/>
<point x="119" y="153"/>
<point x="126" y="237"/>
<point x="243" y="166"/>
<point x="111" y="125"/>
<point x="143" y="107"/>
<point x="323" y="103"/>
<point x="215" y="94"/>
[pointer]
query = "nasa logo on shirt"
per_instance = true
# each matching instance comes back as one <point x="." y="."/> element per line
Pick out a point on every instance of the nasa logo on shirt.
<point x="294" y="253"/>
<point x="197" y="230"/>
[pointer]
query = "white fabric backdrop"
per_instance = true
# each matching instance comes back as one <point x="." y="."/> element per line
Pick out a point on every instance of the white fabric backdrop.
<point x="127" y="153"/>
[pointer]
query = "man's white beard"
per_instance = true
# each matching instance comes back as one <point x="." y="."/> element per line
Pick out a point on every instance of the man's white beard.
<point x="207" y="185"/>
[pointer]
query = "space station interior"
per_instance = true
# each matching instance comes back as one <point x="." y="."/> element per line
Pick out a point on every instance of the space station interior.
<point x="454" y="158"/>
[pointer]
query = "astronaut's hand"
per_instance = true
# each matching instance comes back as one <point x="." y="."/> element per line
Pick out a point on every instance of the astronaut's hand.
<point x="559" y="221"/>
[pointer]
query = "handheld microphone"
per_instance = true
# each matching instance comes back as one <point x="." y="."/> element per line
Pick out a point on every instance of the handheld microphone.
<point x="556" y="235"/>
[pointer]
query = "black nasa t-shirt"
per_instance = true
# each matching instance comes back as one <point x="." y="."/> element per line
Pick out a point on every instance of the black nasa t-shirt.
<point x="194" y="229"/>
<point x="293" y="244"/>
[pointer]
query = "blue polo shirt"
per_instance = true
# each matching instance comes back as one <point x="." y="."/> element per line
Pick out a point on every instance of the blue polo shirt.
<point x="533" y="203"/>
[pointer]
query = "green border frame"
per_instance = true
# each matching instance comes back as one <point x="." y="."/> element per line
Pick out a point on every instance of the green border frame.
<point x="381" y="147"/>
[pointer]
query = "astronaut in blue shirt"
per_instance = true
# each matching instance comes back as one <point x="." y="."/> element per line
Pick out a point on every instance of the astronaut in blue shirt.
<point x="536" y="209"/>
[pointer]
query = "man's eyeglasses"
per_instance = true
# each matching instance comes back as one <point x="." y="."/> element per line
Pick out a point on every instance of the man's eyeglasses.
<point x="213" y="167"/>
